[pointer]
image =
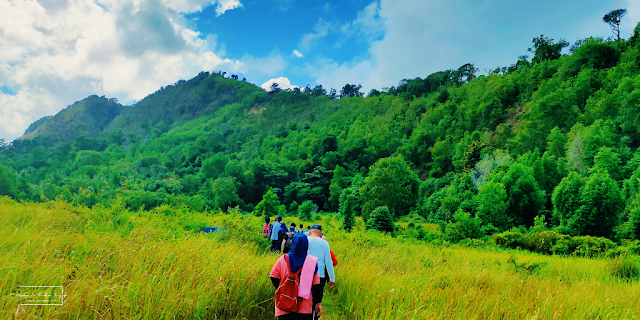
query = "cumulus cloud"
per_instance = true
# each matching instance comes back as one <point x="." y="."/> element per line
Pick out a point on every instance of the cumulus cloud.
<point x="414" y="38"/>
<point x="297" y="54"/>
<point x="367" y="26"/>
<point x="53" y="53"/>
<point x="224" y="5"/>
<point x="282" y="82"/>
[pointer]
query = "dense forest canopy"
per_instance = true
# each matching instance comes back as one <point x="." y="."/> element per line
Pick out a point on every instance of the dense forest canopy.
<point x="552" y="139"/>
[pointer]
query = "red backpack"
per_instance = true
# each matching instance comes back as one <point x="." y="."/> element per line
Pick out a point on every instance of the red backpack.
<point x="287" y="298"/>
<point x="265" y="230"/>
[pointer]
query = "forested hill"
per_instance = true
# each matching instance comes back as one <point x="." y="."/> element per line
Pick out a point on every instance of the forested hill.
<point x="554" y="136"/>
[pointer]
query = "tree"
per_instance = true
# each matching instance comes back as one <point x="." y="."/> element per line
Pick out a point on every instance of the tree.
<point x="381" y="220"/>
<point x="269" y="205"/>
<point x="305" y="209"/>
<point x="607" y="160"/>
<point x="613" y="19"/>
<point x="213" y="167"/>
<point x="601" y="205"/>
<point x="492" y="205"/>
<point x="526" y="199"/>
<point x="544" y="48"/>
<point x="464" y="227"/>
<point x="348" y="207"/>
<point x="225" y="192"/>
<point x="336" y="187"/>
<point x="390" y="183"/>
<point x="275" y="88"/>
<point x="566" y="199"/>
<point x="351" y="90"/>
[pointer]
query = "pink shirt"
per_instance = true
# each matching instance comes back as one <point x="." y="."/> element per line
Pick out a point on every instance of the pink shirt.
<point x="281" y="270"/>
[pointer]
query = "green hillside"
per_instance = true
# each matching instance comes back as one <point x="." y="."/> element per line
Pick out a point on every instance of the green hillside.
<point x="549" y="142"/>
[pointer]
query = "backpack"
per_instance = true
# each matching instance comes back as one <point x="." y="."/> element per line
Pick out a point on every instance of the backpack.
<point x="287" y="244"/>
<point x="287" y="298"/>
<point x="266" y="230"/>
<point x="282" y="232"/>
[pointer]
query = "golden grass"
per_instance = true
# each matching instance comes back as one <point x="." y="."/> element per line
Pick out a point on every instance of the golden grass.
<point x="116" y="264"/>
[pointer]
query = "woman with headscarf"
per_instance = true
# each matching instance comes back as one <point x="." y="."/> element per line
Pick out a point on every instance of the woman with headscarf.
<point x="297" y="260"/>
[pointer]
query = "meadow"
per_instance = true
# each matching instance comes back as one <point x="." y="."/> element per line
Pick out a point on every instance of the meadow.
<point x="115" y="263"/>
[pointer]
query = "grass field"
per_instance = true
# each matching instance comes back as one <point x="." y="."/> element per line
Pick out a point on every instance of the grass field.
<point x="118" y="264"/>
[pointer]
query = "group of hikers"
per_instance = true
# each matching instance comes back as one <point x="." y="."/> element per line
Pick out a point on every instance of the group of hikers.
<point x="301" y="273"/>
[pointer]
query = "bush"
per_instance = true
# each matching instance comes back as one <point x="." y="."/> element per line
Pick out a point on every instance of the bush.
<point x="624" y="268"/>
<point x="305" y="210"/>
<point x="464" y="227"/>
<point x="381" y="220"/>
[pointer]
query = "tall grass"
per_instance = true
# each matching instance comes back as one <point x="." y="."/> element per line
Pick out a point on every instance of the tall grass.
<point x="120" y="264"/>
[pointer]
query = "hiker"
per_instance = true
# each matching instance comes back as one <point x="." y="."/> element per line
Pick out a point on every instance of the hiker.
<point x="296" y="275"/>
<point x="273" y="234"/>
<point x="266" y="228"/>
<point x="301" y="230"/>
<point x="281" y="234"/>
<point x="319" y="248"/>
<point x="288" y="238"/>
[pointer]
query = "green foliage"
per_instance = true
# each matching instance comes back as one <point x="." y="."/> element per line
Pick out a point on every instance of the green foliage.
<point x="224" y="193"/>
<point x="601" y="204"/>
<point x="348" y="208"/>
<point x="381" y="219"/>
<point x="390" y="183"/>
<point x="338" y="183"/>
<point x="624" y="268"/>
<point x="305" y="210"/>
<point x="214" y="166"/>
<point x="269" y="206"/>
<point x="463" y="227"/>
<point x="492" y="205"/>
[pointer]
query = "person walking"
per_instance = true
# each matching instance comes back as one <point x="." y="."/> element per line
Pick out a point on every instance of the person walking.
<point x="288" y="238"/>
<point x="319" y="248"/>
<point x="273" y="234"/>
<point x="296" y="279"/>
<point x="266" y="228"/>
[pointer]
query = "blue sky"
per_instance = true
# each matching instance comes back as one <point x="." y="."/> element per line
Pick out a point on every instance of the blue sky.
<point x="56" y="52"/>
<point x="425" y="37"/>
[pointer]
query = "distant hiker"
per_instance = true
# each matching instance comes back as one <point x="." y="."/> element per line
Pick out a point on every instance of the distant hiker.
<point x="288" y="238"/>
<point x="319" y="248"/>
<point x="266" y="228"/>
<point x="273" y="234"/>
<point x="297" y="282"/>
<point x="301" y="230"/>
<point x="281" y="234"/>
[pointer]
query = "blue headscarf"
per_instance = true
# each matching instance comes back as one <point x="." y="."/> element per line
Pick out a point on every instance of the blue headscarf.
<point x="298" y="253"/>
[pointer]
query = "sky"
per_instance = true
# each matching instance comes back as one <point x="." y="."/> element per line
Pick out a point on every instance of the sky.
<point x="56" y="52"/>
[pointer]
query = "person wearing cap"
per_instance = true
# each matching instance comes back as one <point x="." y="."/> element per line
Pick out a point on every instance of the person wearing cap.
<point x="320" y="249"/>
<point x="273" y="235"/>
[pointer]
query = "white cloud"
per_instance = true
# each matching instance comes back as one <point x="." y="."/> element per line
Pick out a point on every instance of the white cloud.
<point x="282" y="82"/>
<point x="320" y="30"/>
<point x="368" y="24"/>
<point x="633" y="16"/>
<point x="297" y="54"/>
<point x="53" y="53"/>
<point x="265" y="66"/>
<point x="224" y="5"/>
<point x="414" y="38"/>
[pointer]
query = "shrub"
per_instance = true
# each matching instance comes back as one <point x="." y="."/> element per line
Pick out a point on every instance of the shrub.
<point x="305" y="210"/>
<point x="624" y="268"/>
<point x="463" y="227"/>
<point x="381" y="220"/>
